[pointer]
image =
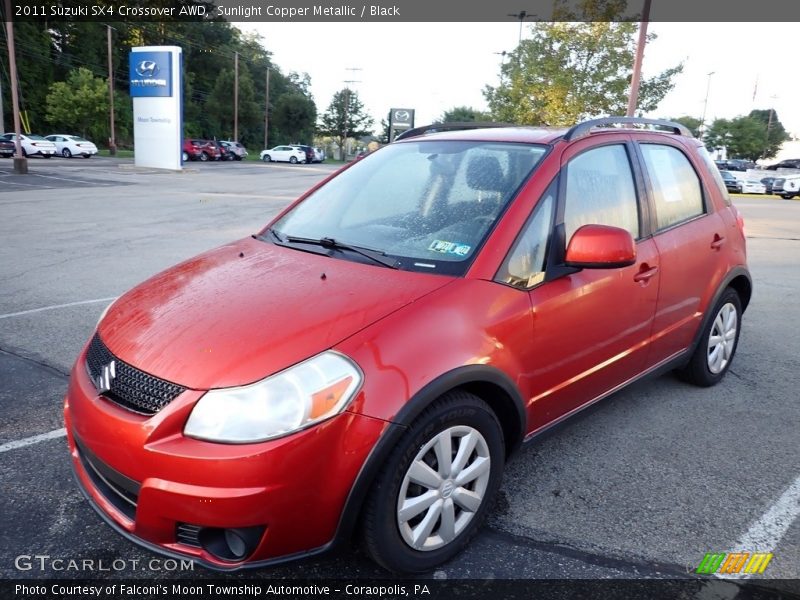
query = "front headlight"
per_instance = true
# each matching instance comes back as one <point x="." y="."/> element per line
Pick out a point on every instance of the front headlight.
<point x="294" y="399"/>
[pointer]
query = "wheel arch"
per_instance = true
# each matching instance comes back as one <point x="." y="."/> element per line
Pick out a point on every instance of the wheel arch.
<point x="488" y="383"/>
<point x="737" y="279"/>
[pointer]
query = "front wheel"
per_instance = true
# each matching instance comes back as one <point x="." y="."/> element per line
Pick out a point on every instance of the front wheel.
<point x="185" y="156"/>
<point x="266" y="158"/>
<point x="714" y="353"/>
<point x="436" y="486"/>
<point x="66" y="153"/>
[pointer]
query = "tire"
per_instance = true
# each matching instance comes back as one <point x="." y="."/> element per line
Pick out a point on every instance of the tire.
<point x="185" y="156"/>
<point x="66" y="153"/>
<point x="416" y="541"/>
<point x="293" y="160"/>
<point x="266" y="158"/>
<point x="87" y="156"/>
<point x="203" y="157"/>
<point x="237" y="158"/>
<point x="47" y="156"/>
<point x="24" y="153"/>
<point x="708" y="364"/>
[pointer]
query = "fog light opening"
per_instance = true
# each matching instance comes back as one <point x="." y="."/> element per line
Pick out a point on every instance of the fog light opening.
<point x="232" y="545"/>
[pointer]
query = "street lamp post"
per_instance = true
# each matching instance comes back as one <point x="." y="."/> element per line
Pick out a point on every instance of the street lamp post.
<point x="521" y="16"/>
<point x="702" y="127"/>
<point x="633" y="99"/>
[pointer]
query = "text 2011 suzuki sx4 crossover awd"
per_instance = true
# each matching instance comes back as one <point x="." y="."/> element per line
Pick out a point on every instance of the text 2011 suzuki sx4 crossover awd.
<point x="368" y="361"/>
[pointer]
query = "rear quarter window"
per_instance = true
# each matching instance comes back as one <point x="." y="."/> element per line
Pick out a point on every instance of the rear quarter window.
<point x="677" y="191"/>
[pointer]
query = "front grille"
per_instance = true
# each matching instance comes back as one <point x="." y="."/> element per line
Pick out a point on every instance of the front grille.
<point x="188" y="535"/>
<point x="122" y="492"/>
<point x="130" y="388"/>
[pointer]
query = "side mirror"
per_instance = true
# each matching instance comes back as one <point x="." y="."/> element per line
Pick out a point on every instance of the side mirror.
<point x="600" y="247"/>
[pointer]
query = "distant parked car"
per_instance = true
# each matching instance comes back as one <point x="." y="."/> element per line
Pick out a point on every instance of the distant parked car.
<point x="223" y="150"/>
<point x="203" y="150"/>
<point x="33" y="144"/>
<point x="735" y="164"/>
<point x="7" y="148"/>
<point x="290" y="154"/>
<point x="733" y="184"/>
<point x="239" y="152"/>
<point x="767" y="181"/>
<point x="319" y="155"/>
<point x="310" y="155"/>
<point x="787" y="187"/>
<point x="791" y="163"/>
<point x="753" y="186"/>
<point x="72" y="145"/>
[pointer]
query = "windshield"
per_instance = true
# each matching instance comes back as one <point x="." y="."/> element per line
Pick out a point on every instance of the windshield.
<point x="428" y="204"/>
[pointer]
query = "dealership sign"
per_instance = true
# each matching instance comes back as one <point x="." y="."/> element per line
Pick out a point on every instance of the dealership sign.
<point x="155" y="78"/>
<point x="150" y="74"/>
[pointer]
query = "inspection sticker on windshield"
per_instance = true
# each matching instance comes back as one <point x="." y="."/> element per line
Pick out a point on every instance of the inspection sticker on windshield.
<point x="449" y="248"/>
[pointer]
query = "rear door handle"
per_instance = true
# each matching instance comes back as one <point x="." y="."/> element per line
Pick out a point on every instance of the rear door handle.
<point x="645" y="273"/>
<point x="718" y="241"/>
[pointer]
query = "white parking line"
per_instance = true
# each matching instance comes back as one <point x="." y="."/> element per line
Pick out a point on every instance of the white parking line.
<point x="766" y="532"/>
<point x="35" y="439"/>
<point x="55" y="306"/>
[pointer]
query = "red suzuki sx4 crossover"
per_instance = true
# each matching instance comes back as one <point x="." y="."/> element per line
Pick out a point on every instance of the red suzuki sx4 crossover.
<point x="367" y="362"/>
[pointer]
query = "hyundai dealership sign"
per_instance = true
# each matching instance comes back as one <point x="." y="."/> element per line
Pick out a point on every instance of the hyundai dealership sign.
<point x="151" y="74"/>
<point x="155" y="76"/>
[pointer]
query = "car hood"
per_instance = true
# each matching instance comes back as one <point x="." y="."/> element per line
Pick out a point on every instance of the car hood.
<point x="241" y="312"/>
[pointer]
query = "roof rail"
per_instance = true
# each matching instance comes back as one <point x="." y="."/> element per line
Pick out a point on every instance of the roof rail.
<point x="458" y="126"/>
<point x="583" y="129"/>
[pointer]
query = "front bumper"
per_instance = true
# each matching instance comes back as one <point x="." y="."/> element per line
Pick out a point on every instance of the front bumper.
<point x="153" y="484"/>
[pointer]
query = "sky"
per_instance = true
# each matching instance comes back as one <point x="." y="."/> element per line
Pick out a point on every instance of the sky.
<point x="432" y="67"/>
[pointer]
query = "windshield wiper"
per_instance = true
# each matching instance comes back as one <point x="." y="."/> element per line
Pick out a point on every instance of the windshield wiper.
<point x="332" y="244"/>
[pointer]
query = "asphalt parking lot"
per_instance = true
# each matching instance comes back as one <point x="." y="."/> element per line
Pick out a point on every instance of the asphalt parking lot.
<point x="641" y="485"/>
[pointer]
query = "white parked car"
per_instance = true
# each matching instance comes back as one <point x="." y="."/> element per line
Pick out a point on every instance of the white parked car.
<point x="786" y="186"/>
<point x="33" y="144"/>
<point x="319" y="155"/>
<point x="284" y="154"/>
<point x="753" y="186"/>
<point x="72" y="145"/>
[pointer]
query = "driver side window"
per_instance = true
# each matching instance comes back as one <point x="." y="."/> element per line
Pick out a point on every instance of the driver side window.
<point x="600" y="191"/>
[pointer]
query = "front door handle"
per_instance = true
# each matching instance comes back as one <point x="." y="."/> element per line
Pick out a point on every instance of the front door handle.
<point x="645" y="274"/>
<point x="718" y="241"/>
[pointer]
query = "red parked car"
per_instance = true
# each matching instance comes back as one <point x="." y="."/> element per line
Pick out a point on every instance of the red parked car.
<point x="203" y="150"/>
<point x="374" y="355"/>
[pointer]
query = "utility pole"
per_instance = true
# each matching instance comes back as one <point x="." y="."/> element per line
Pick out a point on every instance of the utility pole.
<point x="2" y="120"/>
<point x="20" y="162"/>
<point x="521" y="15"/>
<point x="702" y="127"/>
<point x="633" y="99"/>
<point x="769" y="127"/>
<point x="112" y="144"/>
<point x="236" y="97"/>
<point x="266" y="111"/>
<point x="347" y="83"/>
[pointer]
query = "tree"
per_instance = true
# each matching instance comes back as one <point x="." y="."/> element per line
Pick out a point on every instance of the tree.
<point x="774" y="131"/>
<point x="345" y="114"/>
<point x="294" y="116"/>
<point x="692" y="123"/>
<point x="747" y="137"/>
<point x="80" y="104"/>
<point x="568" y="71"/>
<point x="463" y="114"/>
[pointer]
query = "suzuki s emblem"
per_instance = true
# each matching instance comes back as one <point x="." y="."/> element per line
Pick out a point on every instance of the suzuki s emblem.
<point x="147" y="68"/>
<point x="107" y="374"/>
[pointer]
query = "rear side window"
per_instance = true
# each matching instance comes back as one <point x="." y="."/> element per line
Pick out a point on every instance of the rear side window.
<point x="676" y="187"/>
<point x="600" y="191"/>
<point x="714" y="169"/>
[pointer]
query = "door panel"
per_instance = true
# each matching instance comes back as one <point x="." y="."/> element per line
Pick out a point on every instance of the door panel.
<point x="592" y="329"/>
